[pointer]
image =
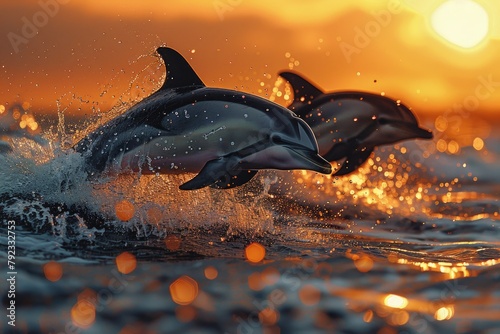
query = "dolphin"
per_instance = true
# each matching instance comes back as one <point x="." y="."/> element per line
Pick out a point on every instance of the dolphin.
<point x="350" y="124"/>
<point x="225" y="136"/>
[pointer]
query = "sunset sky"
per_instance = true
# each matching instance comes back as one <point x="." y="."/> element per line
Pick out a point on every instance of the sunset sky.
<point x="88" y="54"/>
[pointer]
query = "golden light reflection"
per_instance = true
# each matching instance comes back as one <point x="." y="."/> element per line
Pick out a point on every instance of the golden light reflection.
<point x="398" y="318"/>
<point x="478" y="144"/>
<point x="184" y="290"/>
<point x="453" y="270"/>
<point x="124" y="210"/>
<point x="28" y="121"/>
<point x="268" y="316"/>
<point x="364" y="263"/>
<point x="393" y="182"/>
<point x="395" y="301"/>
<point x="126" y="262"/>
<point x="83" y="313"/>
<point x="453" y="147"/>
<point x="255" y="281"/>
<point x="211" y="273"/>
<point x="368" y="316"/>
<point x="255" y="252"/>
<point x="53" y="271"/>
<point x="309" y="295"/>
<point x="444" y="313"/>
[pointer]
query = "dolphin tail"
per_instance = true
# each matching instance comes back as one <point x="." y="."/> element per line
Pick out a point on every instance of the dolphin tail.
<point x="219" y="173"/>
<point x="354" y="161"/>
<point x="303" y="90"/>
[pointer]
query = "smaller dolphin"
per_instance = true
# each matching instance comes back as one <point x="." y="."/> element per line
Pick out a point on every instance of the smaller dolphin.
<point x="224" y="135"/>
<point x="351" y="124"/>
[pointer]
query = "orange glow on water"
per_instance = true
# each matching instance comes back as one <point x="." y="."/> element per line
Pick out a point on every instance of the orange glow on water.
<point x="268" y="316"/>
<point x="368" y="316"/>
<point x="211" y="273"/>
<point x="126" y="262"/>
<point x="395" y="301"/>
<point x="185" y="313"/>
<point x="255" y="252"/>
<point x="83" y="314"/>
<point x="398" y="318"/>
<point x="184" y="290"/>
<point x="444" y="313"/>
<point x="124" y="210"/>
<point x="53" y="271"/>
<point x="363" y="263"/>
<point x="255" y="281"/>
<point x="309" y="295"/>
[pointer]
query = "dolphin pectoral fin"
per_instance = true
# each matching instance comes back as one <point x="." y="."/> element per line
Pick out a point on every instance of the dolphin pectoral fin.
<point x="209" y="175"/>
<point x="219" y="173"/>
<point x="303" y="90"/>
<point x="354" y="161"/>
<point x="231" y="181"/>
<point x="339" y="151"/>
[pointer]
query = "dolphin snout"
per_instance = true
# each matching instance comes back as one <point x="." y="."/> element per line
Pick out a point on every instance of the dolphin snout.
<point x="311" y="160"/>
<point x="410" y="130"/>
<point x="416" y="131"/>
<point x="424" y="133"/>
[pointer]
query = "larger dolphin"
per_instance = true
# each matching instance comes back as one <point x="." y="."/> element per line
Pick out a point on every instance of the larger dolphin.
<point x="224" y="135"/>
<point x="351" y="124"/>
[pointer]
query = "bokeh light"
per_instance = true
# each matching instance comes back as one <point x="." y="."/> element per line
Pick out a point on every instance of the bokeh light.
<point x="395" y="301"/>
<point x="268" y="316"/>
<point x="255" y="252"/>
<point x="83" y="313"/>
<point x="53" y="271"/>
<point x="309" y="295"/>
<point x="444" y="313"/>
<point x="126" y="262"/>
<point x="478" y="144"/>
<point x="184" y="290"/>
<point x="124" y="210"/>
<point x="211" y="273"/>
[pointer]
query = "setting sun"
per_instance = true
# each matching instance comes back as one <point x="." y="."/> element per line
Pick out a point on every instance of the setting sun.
<point x="462" y="22"/>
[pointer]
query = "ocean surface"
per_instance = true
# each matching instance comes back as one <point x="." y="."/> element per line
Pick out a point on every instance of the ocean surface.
<point x="410" y="243"/>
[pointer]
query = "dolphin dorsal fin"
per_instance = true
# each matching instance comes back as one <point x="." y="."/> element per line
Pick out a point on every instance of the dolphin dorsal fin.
<point x="303" y="90"/>
<point x="179" y="72"/>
